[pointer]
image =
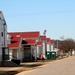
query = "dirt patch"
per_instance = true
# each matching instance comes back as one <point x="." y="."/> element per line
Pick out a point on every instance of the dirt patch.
<point x="25" y="68"/>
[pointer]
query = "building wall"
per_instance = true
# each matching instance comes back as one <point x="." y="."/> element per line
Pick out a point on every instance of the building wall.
<point x="10" y="54"/>
<point x="44" y="48"/>
<point x="3" y="29"/>
<point x="1" y="38"/>
<point x="15" y="54"/>
<point x="3" y="35"/>
<point x="35" y="52"/>
<point x="8" y="39"/>
<point x="52" y="47"/>
<point x="0" y="53"/>
<point x="21" y="54"/>
<point x="40" y="50"/>
<point x="48" y="46"/>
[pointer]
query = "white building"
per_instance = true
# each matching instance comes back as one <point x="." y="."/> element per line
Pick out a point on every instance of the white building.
<point x="52" y="45"/>
<point x="3" y="37"/>
<point x="48" y="45"/>
<point x="25" y="48"/>
<point x="44" y="45"/>
<point x="39" y="49"/>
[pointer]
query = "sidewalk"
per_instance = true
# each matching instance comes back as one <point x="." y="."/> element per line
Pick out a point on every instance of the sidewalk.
<point x="23" y="67"/>
<point x="59" y="67"/>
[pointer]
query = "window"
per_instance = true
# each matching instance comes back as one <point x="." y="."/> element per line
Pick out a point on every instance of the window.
<point x="17" y="35"/>
<point x="8" y="41"/>
<point x="2" y="44"/>
<point x="2" y="34"/>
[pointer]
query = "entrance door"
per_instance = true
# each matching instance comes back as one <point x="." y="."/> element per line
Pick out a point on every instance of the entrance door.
<point x="27" y="53"/>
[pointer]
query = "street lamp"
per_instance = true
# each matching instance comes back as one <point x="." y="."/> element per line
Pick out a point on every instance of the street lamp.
<point x="62" y="37"/>
<point x="45" y="32"/>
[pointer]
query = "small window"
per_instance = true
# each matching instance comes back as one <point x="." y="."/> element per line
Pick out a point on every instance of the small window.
<point x="2" y="34"/>
<point x="2" y="44"/>
<point x="17" y="35"/>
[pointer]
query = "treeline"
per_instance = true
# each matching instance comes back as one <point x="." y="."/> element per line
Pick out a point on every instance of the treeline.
<point x="66" y="45"/>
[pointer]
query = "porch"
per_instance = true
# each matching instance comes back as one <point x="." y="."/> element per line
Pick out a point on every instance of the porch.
<point x="29" y="53"/>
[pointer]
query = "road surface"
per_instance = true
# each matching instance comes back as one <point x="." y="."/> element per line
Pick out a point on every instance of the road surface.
<point x="64" y="66"/>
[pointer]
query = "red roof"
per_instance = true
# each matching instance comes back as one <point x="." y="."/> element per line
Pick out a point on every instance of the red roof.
<point x="43" y="38"/>
<point x="30" y="34"/>
<point x="48" y="39"/>
<point x="14" y="43"/>
<point x="52" y="41"/>
<point x="39" y="43"/>
<point x="13" y="34"/>
<point x="16" y="36"/>
<point x="30" y="42"/>
<point x="25" y="34"/>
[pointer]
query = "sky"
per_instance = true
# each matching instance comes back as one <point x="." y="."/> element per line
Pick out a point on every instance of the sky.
<point x="55" y="16"/>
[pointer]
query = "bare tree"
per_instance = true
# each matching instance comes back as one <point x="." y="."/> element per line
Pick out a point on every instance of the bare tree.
<point x="67" y="45"/>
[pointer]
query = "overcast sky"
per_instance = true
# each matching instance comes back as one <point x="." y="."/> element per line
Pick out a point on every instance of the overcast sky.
<point x="55" y="16"/>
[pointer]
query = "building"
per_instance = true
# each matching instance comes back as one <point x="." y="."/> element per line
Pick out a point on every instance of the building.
<point x="28" y="46"/>
<point x="48" y="44"/>
<point x="15" y="48"/>
<point x="44" y="45"/>
<point x="25" y="43"/>
<point x="52" y="44"/>
<point x="3" y="39"/>
<point x="39" y="48"/>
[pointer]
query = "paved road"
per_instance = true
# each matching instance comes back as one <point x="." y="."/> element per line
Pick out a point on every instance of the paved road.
<point x="60" y="67"/>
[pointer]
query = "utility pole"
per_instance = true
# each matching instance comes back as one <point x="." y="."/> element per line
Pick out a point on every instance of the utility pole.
<point x="57" y="44"/>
